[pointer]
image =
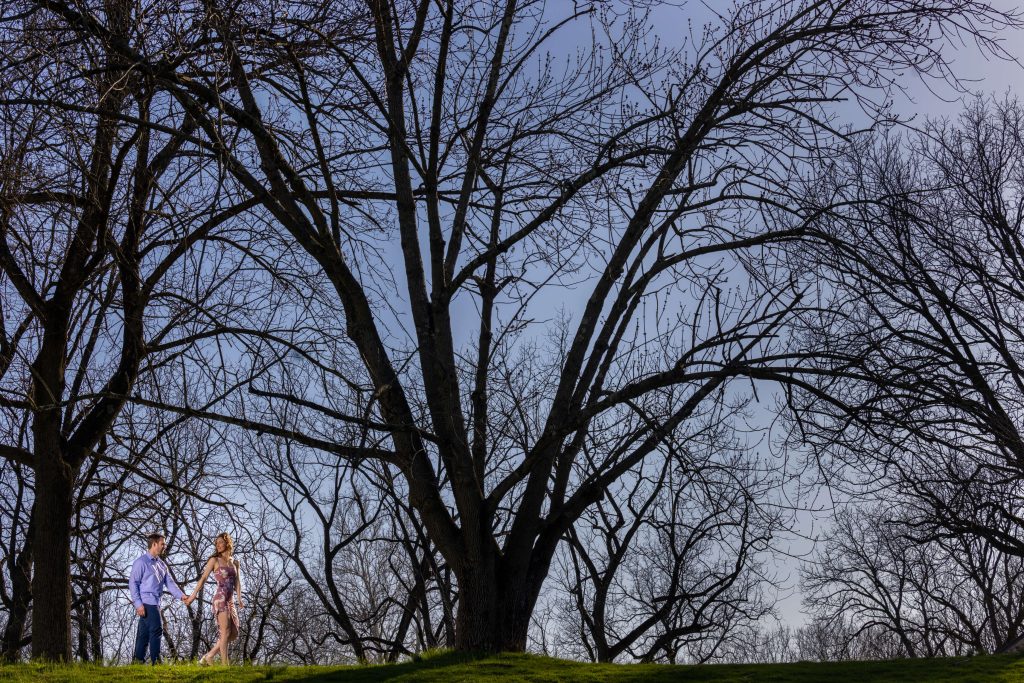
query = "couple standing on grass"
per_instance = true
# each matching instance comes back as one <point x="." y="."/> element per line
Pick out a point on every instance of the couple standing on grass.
<point x="149" y="578"/>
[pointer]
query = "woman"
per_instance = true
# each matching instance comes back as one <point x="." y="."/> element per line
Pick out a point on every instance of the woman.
<point x="229" y="585"/>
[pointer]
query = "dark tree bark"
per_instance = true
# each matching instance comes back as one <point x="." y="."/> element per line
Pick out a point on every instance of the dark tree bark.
<point x="51" y="584"/>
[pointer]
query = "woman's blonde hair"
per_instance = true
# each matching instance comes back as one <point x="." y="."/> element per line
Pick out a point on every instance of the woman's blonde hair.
<point x="229" y="545"/>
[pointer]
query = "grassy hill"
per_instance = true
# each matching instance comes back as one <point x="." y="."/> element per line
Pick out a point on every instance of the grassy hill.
<point x="452" y="668"/>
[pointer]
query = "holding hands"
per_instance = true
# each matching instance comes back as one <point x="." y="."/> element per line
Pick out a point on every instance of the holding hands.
<point x="189" y="599"/>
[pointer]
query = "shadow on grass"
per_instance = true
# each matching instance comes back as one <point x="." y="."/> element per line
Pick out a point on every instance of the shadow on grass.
<point x="518" y="667"/>
<point x="388" y="672"/>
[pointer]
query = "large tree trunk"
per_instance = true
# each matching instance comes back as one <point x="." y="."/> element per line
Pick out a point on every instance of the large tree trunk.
<point x="13" y="638"/>
<point x="494" y="608"/>
<point x="53" y="507"/>
<point x="476" y="621"/>
<point x="51" y="580"/>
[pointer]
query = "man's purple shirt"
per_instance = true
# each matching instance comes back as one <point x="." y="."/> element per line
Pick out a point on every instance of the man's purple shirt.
<point x="148" y="579"/>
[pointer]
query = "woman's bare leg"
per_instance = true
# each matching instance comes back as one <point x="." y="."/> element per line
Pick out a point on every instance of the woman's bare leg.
<point x="213" y="651"/>
<point x="221" y="646"/>
<point x="223" y="619"/>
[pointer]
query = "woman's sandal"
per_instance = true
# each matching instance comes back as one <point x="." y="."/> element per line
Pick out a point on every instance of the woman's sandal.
<point x="203" y="661"/>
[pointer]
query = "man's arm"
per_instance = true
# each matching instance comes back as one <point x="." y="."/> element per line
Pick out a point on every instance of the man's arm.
<point x="134" y="580"/>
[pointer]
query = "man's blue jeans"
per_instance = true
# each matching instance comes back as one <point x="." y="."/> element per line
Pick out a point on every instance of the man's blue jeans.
<point x="151" y="628"/>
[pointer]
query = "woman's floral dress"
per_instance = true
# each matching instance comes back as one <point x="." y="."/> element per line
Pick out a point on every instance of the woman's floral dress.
<point x="224" y="598"/>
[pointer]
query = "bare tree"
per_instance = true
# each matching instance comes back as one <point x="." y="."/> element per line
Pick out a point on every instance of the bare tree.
<point x="16" y="575"/>
<point x="764" y="644"/>
<point x="99" y="212"/>
<point x="667" y="567"/>
<point x="952" y="596"/>
<point x="444" y="137"/>
<point x="172" y="476"/>
<point x="920" y="391"/>
<point x="347" y="533"/>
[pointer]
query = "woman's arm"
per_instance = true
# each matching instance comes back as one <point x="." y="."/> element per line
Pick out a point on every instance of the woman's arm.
<point x="238" y="584"/>
<point x="202" y="580"/>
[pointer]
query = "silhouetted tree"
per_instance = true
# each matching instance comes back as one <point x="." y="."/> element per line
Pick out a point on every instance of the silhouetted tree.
<point x="441" y="146"/>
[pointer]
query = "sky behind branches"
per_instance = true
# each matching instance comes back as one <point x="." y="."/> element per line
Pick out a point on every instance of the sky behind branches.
<point x="980" y="76"/>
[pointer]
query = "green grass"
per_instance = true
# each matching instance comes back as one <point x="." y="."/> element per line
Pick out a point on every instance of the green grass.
<point x="456" y="668"/>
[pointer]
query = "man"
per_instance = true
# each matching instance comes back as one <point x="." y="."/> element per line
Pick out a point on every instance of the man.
<point x="146" y="584"/>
